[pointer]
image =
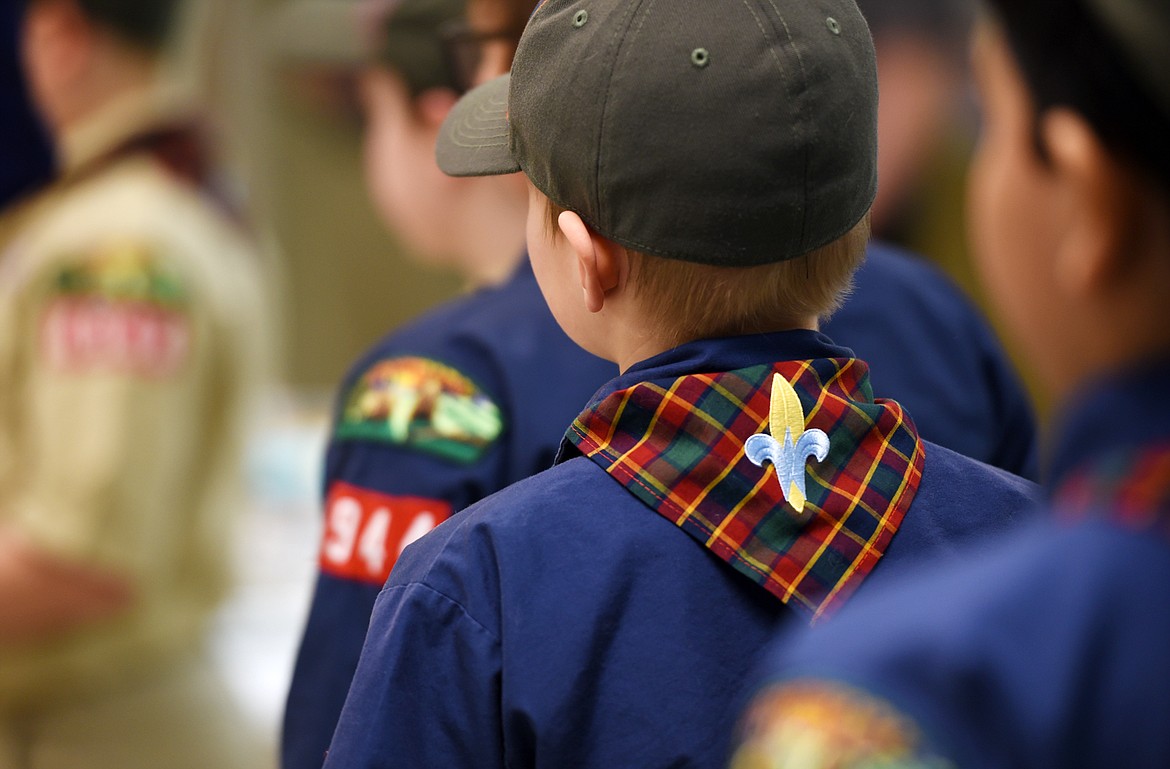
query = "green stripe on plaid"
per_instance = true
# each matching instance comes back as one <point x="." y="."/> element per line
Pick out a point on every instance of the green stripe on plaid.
<point x="680" y="450"/>
<point x="1130" y="486"/>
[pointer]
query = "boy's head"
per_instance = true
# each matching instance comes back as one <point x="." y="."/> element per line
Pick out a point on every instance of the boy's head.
<point x="77" y="53"/>
<point x="146" y="24"/>
<point x="406" y="59"/>
<point x="495" y="27"/>
<point x="700" y="139"/>
<point x="1070" y="190"/>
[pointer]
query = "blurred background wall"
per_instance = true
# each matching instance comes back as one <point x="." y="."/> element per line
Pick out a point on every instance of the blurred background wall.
<point x="342" y="280"/>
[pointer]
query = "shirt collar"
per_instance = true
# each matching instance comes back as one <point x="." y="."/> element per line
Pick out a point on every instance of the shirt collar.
<point x="725" y="354"/>
<point x="123" y="118"/>
<point x="1119" y="413"/>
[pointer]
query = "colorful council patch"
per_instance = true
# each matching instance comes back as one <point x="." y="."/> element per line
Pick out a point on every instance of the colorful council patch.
<point x="814" y="725"/>
<point x="119" y="308"/>
<point x="422" y="404"/>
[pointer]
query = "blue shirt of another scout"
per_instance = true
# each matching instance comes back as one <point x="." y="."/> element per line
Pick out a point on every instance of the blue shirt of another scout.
<point x="1049" y="651"/>
<point x="501" y="356"/>
<point x="606" y="612"/>
<point x="441" y="413"/>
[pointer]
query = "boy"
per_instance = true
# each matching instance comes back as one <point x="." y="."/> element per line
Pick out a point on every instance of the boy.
<point x="1051" y="650"/>
<point x="130" y="335"/>
<point x="935" y="351"/>
<point x="453" y="406"/>
<point x="567" y="621"/>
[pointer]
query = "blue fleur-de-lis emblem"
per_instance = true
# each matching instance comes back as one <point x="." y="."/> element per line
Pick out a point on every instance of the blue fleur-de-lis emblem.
<point x="789" y="454"/>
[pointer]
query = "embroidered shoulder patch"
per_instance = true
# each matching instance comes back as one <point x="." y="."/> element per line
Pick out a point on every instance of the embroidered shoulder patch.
<point x="827" y="726"/>
<point x="120" y="308"/>
<point x="422" y="404"/>
<point x="366" y="531"/>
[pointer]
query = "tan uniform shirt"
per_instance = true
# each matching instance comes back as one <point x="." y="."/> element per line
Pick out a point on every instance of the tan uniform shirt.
<point x="130" y="331"/>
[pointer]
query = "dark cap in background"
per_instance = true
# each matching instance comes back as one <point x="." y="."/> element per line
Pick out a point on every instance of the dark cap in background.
<point x="1106" y="60"/>
<point x="730" y="134"/>
<point x="405" y="35"/>
<point x="146" y="23"/>
<point x="1141" y="29"/>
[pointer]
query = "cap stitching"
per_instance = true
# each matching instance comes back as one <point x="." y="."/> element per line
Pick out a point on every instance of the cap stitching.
<point x="464" y="129"/>
<point x="800" y="111"/>
<point x="729" y="257"/>
<point x="619" y="38"/>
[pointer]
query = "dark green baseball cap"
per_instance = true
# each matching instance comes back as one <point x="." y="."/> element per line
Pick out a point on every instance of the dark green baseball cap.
<point x="1140" y="28"/>
<point x="715" y="132"/>
<point x="408" y="36"/>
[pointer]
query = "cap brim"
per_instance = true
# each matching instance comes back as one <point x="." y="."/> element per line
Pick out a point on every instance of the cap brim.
<point x="473" y="140"/>
<point x="327" y="32"/>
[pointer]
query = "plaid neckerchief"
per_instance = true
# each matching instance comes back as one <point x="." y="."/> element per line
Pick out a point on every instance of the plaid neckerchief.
<point x="681" y="451"/>
<point x="1130" y="486"/>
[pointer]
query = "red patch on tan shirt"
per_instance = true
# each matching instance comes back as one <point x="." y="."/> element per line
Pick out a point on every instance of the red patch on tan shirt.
<point x="81" y="334"/>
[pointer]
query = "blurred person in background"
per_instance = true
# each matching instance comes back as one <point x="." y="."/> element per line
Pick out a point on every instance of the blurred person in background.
<point x="926" y="131"/>
<point x="923" y="117"/>
<point x="1050" y="649"/>
<point x="461" y="402"/>
<point x="131" y="331"/>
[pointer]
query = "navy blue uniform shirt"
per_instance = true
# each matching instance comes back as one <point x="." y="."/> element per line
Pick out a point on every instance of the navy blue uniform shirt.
<point x="925" y="343"/>
<point x="928" y="348"/>
<point x="1051" y="651"/>
<point x="504" y="342"/>
<point x="561" y="622"/>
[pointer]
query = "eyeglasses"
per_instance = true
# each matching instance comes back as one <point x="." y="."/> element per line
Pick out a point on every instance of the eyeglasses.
<point x="463" y="48"/>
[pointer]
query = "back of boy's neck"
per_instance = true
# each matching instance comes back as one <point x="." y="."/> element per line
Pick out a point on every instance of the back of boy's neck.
<point x="491" y="240"/>
<point x="632" y="347"/>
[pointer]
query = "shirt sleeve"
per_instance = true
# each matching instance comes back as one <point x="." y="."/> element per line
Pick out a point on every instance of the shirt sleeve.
<point x="110" y="370"/>
<point x="427" y="690"/>
<point x="391" y="474"/>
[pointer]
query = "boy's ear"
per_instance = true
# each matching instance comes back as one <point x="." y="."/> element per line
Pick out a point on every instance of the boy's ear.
<point x="1098" y="195"/>
<point x="601" y="263"/>
<point x="433" y="105"/>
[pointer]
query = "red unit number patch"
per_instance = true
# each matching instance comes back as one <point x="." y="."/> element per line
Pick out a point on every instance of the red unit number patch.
<point x="365" y="531"/>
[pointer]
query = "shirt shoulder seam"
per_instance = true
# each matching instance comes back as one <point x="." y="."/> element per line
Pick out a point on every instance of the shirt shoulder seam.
<point x="449" y="599"/>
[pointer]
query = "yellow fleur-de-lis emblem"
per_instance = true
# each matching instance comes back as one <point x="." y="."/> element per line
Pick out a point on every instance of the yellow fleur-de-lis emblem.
<point x="789" y="453"/>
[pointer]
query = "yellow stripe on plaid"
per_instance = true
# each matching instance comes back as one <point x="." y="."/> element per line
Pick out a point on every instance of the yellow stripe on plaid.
<point x="681" y="450"/>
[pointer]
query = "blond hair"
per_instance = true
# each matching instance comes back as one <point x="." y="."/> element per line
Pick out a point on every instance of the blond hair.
<point x="696" y="301"/>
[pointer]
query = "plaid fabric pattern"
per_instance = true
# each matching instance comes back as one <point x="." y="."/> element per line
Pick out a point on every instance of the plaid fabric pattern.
<point x="680" y="451"/>
<point x="1131" y="487"/>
